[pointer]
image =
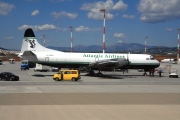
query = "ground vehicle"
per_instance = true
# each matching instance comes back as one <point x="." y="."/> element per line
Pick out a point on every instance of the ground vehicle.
<point x="140" y="70"/>
<point x="0" y="62"/>
<point x="24" y="65"/>
<point x="73" y="75"/>
<point x="173" y="74"/>
<point x="8" y="76"/>
<point x="12" y="61"/>
<point x="41" y="68"/>
<point x="55" y="69"/>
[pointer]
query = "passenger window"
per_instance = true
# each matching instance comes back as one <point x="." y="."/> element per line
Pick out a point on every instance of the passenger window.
<point x="66" y="72"/>
<point x="152" y="58"/>
<point x="74" y="72"/>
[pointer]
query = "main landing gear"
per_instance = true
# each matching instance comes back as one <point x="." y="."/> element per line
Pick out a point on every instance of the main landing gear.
<point x="145" y="73"/>
<point x="92" y="73"/>
<point x="151" y="72"/>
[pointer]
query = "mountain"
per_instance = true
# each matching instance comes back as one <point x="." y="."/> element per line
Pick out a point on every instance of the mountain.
<point x="127" y="47"/>
<point x="9" y="49"/>
<point x="111" y="48"/>
<point x="2" y="48"/>
<point x="117" y="48"/>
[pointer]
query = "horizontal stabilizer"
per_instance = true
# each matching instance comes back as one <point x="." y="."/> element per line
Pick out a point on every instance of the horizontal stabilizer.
<point x="28" y="55"/>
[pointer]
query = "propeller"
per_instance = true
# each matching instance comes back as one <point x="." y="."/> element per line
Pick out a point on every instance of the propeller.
<point x="127" y="62"/>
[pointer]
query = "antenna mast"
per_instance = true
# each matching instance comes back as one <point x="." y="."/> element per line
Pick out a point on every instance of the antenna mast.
<point x="145" y="44"/>
<point x="104" y="31"/>
<point x="71" y="39"/>
<point x="44" y="40"/>
<point x="178" y="47"/>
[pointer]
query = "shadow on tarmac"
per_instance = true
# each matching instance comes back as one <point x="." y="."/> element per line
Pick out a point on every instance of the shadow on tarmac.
<point x="40" y="75"/>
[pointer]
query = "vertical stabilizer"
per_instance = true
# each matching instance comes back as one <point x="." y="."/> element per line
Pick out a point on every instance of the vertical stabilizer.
<point x="30" y="43"/>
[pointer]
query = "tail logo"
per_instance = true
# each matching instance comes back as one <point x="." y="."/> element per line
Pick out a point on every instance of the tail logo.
<point x="32" y="42"/>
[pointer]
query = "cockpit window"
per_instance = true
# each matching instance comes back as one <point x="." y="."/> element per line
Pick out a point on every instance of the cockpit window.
<point x="152" y="58"/>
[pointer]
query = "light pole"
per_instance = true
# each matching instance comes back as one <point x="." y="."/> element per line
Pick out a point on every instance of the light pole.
<point x="104" y="31"/>
<point x="71" y="39"/>
<point x="44" y="40"/>
<point x="178" y="47"/>
<point x="145" y="44"/>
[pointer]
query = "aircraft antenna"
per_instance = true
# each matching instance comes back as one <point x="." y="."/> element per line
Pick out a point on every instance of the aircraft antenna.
<point x="104" y="31"/>
<point x="44" y="40"/>
<point x="178" y="47"/>
<point x="71" y="39"/>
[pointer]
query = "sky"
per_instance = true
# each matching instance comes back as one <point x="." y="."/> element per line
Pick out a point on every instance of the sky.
<point x="126" y="21"/>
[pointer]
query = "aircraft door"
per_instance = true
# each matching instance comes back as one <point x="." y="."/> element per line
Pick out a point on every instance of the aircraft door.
<point x="96" y="59"/>
<point x="46" y="59"/>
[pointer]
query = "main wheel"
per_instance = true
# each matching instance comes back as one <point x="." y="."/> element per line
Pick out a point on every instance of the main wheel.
<point x="73" y="79"/>
<point x="11" y="78"/>
<point x="91" y="73"/>
<point x="57" y="79"/>
<point x="100" y="74"/>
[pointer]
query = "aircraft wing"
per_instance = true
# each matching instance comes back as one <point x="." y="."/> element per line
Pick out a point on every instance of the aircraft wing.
<point x="108" y="63"/>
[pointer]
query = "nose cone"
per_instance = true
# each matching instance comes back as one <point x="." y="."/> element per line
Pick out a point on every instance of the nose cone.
<point x="157" y="63"/>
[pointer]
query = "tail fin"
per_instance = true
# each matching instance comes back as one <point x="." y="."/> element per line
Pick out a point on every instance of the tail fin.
<point x="30" y="43"/>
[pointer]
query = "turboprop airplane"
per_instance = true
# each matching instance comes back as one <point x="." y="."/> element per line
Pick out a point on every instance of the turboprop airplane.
<point x="36" y="53"/>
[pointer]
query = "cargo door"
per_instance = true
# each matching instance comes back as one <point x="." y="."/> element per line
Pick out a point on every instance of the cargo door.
<point x="47" y="59"/>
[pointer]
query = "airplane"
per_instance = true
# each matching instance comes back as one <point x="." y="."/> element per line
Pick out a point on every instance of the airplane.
<point x="167" y="60"/>
<point x="36" y="53"/>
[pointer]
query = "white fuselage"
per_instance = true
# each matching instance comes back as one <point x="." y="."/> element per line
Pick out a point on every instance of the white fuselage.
<point x="56" y="57"/>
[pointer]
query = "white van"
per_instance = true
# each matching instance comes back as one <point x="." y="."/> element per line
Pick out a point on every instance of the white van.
<point x="41" y="68"/>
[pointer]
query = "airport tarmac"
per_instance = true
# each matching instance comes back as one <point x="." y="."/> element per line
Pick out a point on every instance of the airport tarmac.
<point x="128" y="96"/>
